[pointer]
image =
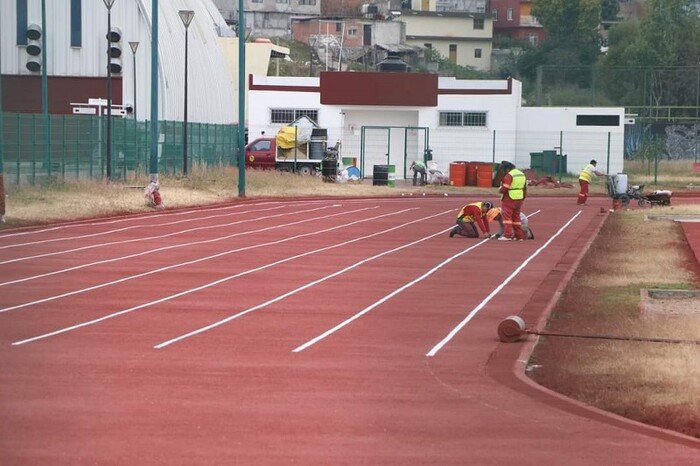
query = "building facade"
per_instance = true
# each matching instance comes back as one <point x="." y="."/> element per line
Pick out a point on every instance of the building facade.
<point x="392" y="118"/>
<point x="76" y="58"/>
<point x="513" y="19"/>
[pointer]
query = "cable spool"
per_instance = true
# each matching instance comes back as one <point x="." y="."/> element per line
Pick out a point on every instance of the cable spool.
<point x="511" y="329"/>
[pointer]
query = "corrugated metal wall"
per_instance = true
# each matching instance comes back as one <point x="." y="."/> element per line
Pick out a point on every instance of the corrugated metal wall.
<point x="210" y="93"/>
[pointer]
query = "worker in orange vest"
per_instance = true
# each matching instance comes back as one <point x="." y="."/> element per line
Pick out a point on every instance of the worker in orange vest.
<point x="471" y="219"/>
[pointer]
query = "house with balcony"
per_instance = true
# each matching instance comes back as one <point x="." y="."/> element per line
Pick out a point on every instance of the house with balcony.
<point x="513" y="19"/>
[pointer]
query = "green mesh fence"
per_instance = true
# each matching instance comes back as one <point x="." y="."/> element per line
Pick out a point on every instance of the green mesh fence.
<point x="73" y="147"/>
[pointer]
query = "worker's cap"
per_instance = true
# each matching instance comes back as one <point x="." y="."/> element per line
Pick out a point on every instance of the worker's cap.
<point x="506" y="165"/>
<point x="493" y="213"/>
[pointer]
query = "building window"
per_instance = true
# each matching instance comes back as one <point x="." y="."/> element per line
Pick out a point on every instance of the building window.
<point x="256" y="1"/>
<point x="494" y="14"/>
<point x="473" y="119"/>
<point x="21" y="22"/>
<point x="453" y="54"/>
<point x="282" y="1"/>
<point x="288" y="115"/>
<point x="76" y="23"/>
<point x="307" y="2"/>
<point x="428" y="46"/>
<point x="478" y="23"/>
<point x="338" y="27"/>
<point x="352" y="31"/>
<point x="532" y="38"/>
<point x="477" y="53"/>
<point x="509" y="15"/>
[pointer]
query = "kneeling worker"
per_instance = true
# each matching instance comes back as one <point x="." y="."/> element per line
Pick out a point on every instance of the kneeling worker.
<point x="495" y="215"/>
<point x="471" y="216"/>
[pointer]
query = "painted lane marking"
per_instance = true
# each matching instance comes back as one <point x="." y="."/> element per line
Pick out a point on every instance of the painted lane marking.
<point x="346" y="322"/>
<point x="183" y="293"/>
<point x="147" y="238"/>
<point x="137" y="217"/>
<point x="315" y="282"/>
<point x="181" y="264"/>
<point x="387" y="297"/>
<point x="496" y="290"/>
<point x="131" y="227"/>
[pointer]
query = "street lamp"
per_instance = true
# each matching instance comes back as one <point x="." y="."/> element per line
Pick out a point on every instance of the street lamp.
<point x="186" y="17"/>
<point x="108" y="4"/>
<point x="134" y="46"/>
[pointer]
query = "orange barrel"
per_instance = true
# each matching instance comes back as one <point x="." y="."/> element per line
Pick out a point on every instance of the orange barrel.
<point x="458" y="173"/>
<point x="484" y="175"/>
<point x="471" y="173"/>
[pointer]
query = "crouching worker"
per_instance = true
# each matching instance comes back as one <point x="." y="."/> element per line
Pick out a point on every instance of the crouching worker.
<point x="495" y="215"/>
<point x="471" y="219"/>
<point x="418" y="168"/>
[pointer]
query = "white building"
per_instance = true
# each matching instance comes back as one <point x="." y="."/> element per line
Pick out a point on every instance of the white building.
<point x="76" y="58"/>
<point x="391" y="118"/>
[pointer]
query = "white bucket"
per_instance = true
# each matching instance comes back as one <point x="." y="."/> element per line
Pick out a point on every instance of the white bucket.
<point x="620" y="181"/>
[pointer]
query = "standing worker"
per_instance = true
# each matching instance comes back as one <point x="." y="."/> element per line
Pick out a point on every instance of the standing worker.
<point x="418" y="167"/>
<point x="471" y="216"/>
<point x="584" y="180"/>
<point x="495" y="215"/>
<point x="513" y="191"/>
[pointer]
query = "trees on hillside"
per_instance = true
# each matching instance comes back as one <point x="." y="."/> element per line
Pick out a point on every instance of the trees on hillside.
<point x="655" y="62"/>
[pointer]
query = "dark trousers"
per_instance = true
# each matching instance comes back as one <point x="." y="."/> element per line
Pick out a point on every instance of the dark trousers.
<point x="467" y="229"/>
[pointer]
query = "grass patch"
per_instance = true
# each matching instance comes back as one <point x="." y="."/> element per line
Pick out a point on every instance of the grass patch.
<point x="654" y="383"/>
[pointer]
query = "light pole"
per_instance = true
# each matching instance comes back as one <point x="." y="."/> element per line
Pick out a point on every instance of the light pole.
<point x="186" y="17"/>
<point x="108" y="163"/>
<point x="134" y="46"/>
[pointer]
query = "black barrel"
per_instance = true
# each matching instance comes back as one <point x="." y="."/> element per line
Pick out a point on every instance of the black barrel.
<point x="317" y="149"/>
<point x="329" y="169"/>
<point x="380" y="176"/>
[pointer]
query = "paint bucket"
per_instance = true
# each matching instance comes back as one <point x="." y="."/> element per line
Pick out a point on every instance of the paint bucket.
<point x="484" y="175"/>
<point x="620" y="181"/>
<point x="384" y="175"/>
<point x="458" y="173"/>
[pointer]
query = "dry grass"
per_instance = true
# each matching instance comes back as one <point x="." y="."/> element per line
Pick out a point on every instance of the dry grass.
<point x="654" y="383"/>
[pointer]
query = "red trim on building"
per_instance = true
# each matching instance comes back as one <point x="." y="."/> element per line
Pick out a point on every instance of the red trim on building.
<point x="389" y="89"/>
<point x="22" y="93"/>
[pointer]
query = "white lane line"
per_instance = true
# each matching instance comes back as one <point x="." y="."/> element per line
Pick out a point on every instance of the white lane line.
<point x="167" y="235"/>
<point x="182" y="264"/>
<point x="346" y="322"/>
<point x="208" y="285"/>
<point x="498" y="289"/>
<point x="131" y="227"/>
<point x="313" y="283"/>
<point x="142" y="217"/>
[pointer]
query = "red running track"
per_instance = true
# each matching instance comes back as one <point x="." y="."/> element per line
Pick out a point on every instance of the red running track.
<point x="307" y="332"/>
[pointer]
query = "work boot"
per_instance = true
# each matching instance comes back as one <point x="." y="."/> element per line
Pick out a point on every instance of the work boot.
<point x="454" y="231"/>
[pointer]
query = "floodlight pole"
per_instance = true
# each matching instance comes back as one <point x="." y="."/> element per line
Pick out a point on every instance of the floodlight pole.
<point x="108" y="136"/>
<point x="186" y="17"/>
<point x="134" y="46"/>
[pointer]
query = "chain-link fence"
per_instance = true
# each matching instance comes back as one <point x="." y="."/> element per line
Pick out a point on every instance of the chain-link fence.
<point x="37" y="147"/>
